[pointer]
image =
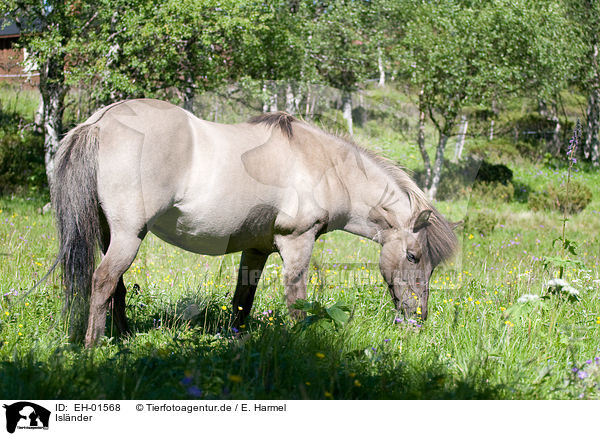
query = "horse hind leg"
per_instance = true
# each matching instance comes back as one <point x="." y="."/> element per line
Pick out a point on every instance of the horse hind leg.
<point x="118" y="299"/>
<point x="119" y="256"/>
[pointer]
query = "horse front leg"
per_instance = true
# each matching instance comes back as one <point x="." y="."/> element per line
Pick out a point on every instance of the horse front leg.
<point x="295" y="251"/>
<point x="251" y="267"/>
<point x="119" y="306"/>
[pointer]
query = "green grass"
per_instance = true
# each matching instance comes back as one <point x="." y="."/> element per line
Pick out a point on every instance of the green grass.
<point x="468" y="348"/>
<point x="479" y="341"/>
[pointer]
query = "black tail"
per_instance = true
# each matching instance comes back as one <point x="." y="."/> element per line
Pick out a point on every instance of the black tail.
<point x="75" y="201"/>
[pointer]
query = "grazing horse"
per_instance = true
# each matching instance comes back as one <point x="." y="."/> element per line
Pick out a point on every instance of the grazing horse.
<point x="274" y="183"/>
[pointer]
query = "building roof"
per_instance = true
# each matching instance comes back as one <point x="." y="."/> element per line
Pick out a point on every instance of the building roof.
<point x="8" y="27"/>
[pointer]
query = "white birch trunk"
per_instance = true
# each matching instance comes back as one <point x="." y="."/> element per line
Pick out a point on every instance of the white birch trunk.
<point x="381" y="68"/>
<point x="460" y="139"/>
<point x="53" y="91"/>
<point x="437" y="168"/>
<point x="347" y="109"/>
<point x="289" y="99"/>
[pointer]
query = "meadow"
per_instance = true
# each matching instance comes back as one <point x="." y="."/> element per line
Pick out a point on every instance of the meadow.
<point x="494" y="330"/>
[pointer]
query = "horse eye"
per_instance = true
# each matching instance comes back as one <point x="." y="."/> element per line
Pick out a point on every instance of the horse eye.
<point x="411" y="257"/>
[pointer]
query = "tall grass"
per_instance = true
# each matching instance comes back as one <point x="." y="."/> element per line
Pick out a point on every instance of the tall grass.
<point x="483" y="339"/>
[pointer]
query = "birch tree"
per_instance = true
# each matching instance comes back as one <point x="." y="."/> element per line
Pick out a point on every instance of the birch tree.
<point x="49" y="32"/>
<point x="461" y="53"/>
<point x="584" y="20"/>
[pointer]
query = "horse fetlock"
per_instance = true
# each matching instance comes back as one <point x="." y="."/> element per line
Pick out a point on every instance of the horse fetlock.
<point x="95" y="329"/>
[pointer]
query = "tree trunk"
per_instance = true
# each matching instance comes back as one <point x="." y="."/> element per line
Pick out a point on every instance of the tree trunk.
<point x="38" y="118"/>
<point x="590" y="148"/>
<point x="216" y="108"/>
<point x="437" y="168"/>
<point x="273" y="99"/>
<point x="265" y="96"/>
<point x="289" y="99"/>
<point x="53" y="91"/>
<point x="308" y="97"/>
<point x="460" y="139"/>
<point x="381" y="68"/>
<point x="292" y="99"/>
<point x="189" y="93"/>
<point x="551" y="114"/>
<point x="313" y="105"/>
<point x="421" y="142"/>
<point x="347" y="109"/>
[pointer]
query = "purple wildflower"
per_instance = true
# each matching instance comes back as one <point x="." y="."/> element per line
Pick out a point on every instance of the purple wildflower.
<point x="195" y="391"/>
<point x="582" y="374"/>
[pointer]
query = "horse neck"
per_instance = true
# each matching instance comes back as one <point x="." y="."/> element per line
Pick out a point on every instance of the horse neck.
<point x="376" y="203"/>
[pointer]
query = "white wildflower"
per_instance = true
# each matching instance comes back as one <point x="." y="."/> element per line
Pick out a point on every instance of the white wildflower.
<point x="557" y="283"/>
<point x="561" y="286"/>
<point x="527" y="298"/>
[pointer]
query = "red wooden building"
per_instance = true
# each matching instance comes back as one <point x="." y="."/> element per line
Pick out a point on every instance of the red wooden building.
<point x="12" y="66"/>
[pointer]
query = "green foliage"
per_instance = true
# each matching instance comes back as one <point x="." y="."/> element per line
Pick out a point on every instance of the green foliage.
<point x="480" y="222"/>
<point x="555" y="197"/>
<point x="339" y="46"/>
<point x="21" y="162"/>
<point x="466" y="349"/>
<point x="494" y="173"/>
<point x="336" y="315"/>
<point x="493" y="191"/>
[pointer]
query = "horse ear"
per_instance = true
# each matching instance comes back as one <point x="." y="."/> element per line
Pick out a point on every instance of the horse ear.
<point x="422" y="220"/>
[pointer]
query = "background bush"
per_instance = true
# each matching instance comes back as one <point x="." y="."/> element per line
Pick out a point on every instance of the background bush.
<point x="21" y="162"/>
<point x="556" y="198"/>
<point x="480" y="222"/>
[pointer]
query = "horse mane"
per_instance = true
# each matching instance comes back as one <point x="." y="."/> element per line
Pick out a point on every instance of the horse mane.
<point x="438" y="235"/>
<point x="282" y="120"/>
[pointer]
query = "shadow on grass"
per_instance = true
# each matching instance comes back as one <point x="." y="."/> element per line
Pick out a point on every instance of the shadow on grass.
<point x="269" y="361"/>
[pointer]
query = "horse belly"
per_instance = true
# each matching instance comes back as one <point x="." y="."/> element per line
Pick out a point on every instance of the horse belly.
<point x="217" y="229"/>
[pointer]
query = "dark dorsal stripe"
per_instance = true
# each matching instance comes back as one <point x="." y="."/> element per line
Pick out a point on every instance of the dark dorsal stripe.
<point x="280" y="119"/>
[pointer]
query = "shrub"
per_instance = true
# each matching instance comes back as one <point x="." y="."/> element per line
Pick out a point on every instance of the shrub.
<point x="494" y="173"/>
<point x="494" y="191"/>
<point x="21" y="161"/>
<point x="555" y="198"/>
<point x="481" y="222"/>
<point x="474" y="177"/>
